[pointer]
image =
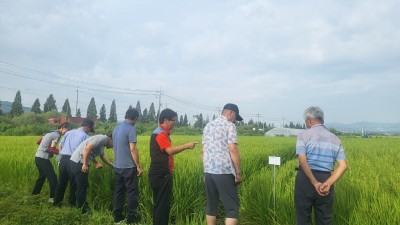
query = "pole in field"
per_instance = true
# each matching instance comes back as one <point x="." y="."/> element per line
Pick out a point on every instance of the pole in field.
<point x="276" y="161"/>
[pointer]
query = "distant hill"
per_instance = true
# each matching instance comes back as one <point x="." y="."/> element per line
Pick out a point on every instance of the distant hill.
<point x="366" y="127"/>
<point x="6" y="107"/>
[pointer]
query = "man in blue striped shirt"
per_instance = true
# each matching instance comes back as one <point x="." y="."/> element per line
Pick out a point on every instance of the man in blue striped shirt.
<point x="317" y="150"/>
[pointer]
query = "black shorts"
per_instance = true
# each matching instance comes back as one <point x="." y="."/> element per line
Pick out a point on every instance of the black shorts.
<point x="222" y="186"/>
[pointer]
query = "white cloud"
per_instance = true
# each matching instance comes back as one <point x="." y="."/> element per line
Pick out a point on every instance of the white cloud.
<point x="272" y="58"/>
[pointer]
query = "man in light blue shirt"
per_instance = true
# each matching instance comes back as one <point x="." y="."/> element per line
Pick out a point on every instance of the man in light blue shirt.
<point x="69" y="143"/>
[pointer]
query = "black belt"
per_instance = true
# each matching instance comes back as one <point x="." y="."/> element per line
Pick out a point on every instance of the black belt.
<point x="319" y="171"/>
<point x="314" y="171"/>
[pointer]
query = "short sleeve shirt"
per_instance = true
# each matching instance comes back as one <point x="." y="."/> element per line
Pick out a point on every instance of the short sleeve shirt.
<point x="217" y="135"/>
<point x="123" y="135"/>
<point x="321" y="147"/>
<point x="98" y="141"/>
<point x="71" y="140"/>
<point x="44" y="147"/>
<point x="161" y="162"/>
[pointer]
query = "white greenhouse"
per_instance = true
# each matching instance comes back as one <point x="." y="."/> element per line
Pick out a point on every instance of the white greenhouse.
<point x="281" y="131"/>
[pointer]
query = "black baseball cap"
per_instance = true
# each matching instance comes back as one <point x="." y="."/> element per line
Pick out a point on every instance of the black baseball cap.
<point x="234" y="108"/>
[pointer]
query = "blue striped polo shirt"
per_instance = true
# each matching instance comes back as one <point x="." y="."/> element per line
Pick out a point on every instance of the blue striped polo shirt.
<point x="321" y="147"/>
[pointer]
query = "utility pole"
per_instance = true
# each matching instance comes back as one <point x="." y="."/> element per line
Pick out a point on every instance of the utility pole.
<point x="76" y="106"/>
<point x="159" y="104"/>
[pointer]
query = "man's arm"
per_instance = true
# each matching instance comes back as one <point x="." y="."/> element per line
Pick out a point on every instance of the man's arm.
<point x="177" y="149"/>
<point x="135" y="156"/>
<point x="85" y="156"/>
<point x="307" y="171"/>
<point x="107" y="161"/>
<point x="53" y="148"/>
<point x="235" y="157"/>
<point x="342" y="167"/>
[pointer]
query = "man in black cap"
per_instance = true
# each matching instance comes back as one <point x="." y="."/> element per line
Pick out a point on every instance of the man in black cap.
<point x="221" y="161"/>
<point x="68" y="144"/>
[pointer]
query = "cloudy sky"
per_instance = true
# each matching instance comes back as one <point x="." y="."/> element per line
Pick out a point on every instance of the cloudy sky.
<point x="272" y="58"/>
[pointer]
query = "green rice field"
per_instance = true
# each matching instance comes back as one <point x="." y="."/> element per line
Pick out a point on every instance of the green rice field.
<point x="368" y="193"/>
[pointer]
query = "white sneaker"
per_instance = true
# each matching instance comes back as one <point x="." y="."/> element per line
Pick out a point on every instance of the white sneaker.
<point x="51" y="200"/>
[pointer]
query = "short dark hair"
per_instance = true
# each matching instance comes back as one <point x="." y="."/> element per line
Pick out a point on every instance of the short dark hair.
<point x="65" y="125"/>
<point x="168" y="114"/>
<point x="88" y="123"/>
<point x="132" y="114"/>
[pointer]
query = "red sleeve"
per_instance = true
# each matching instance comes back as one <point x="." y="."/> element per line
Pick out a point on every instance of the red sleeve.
<point x="163" y="141"/>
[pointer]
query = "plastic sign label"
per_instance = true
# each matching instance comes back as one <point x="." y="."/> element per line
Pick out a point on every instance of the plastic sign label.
<point x="273" y="160"/>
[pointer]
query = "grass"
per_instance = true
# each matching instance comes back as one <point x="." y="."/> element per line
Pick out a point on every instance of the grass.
<point x="368" y="193"/>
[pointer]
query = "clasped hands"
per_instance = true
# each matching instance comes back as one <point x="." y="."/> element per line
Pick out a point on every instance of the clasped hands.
<point x="322" y="189"/>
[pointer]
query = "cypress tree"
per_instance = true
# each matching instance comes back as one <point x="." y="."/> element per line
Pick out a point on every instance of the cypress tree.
<point x="50" y="104"/>
<point x="113" y="113"/>
<point x="67" y="108"/>
<point x="16" y="107"/>
<point x="91" y="110"/>
<point x="103" y="117"/>
<point x="151" y="116"/>
<point x="78" y="113"/>
<point x="36" y="107"/>
<point x="139" y="109"/>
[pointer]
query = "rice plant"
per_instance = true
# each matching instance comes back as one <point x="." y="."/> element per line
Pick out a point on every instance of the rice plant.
<point x="368" y="193"/>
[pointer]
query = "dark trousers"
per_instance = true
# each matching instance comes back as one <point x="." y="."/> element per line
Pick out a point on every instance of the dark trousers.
<point x="46" y="170"/>
<point x="65" y="176"/>
<point x="306" y="198"/>
<point x="222" y="187"/>
<point x="126" y="180"/>
<point x="82" y="184"/>
<point x="162" y="194"/>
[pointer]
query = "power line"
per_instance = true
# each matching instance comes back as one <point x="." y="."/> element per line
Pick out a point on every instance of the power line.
<point x="87" y="87"/>
<point x="38" y="76"/>
<point x="190" y="103"/>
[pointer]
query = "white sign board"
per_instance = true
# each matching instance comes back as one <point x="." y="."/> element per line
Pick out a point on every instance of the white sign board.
<point x="273" y="160"/>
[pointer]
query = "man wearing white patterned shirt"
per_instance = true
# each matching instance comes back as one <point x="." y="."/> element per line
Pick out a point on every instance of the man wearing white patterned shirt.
<point x="221" y="162"/>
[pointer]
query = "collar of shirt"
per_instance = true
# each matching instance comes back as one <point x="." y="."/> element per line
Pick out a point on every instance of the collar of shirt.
<point x="166" y="129"/>
<point x="223" y="117"/>
<point x="317" y="125"/>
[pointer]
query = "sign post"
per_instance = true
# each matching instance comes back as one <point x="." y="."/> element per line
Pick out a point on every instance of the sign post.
<point x="276" y="161"/>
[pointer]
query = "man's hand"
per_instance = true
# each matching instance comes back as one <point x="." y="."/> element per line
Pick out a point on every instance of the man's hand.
<point x="238" y="178"/>
<point x="191" y="145"/>
<point x="317" y="187"/>
<point x="99" y="165"/>
<point x="325" y="188"/>
<point x="85" y="168"/>
<point x="139" y="171"/>
<point x="54" y="151"/>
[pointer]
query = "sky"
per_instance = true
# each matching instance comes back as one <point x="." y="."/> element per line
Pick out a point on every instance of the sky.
<point x="271" y="58"/>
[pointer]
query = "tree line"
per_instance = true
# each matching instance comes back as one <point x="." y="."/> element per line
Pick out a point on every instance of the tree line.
<point x="146" y="116"/>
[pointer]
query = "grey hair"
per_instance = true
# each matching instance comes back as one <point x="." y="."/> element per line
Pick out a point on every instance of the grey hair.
<point x="314" y="112"/>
